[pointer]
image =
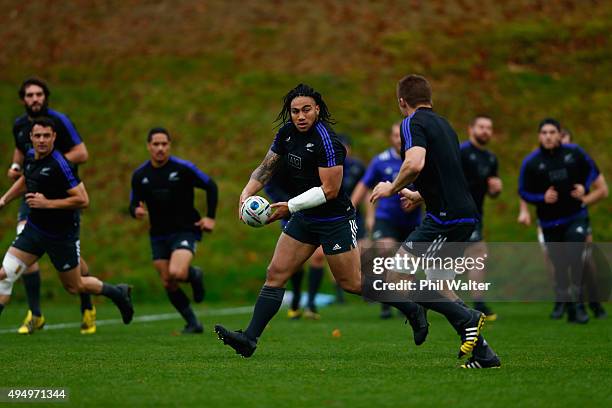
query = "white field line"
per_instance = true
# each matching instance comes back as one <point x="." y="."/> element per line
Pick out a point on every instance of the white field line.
<point x="145" y="318"/>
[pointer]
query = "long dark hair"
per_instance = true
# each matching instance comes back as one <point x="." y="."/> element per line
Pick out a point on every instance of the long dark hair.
<point x="304" y="90"/>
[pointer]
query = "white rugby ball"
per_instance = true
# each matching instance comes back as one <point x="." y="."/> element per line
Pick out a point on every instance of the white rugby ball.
<point x="255" y="211"/>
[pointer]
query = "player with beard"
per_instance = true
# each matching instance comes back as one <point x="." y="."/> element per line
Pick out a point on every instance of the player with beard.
<point x="480" y="170"/>
<point x="389" y="223"/>
<point x="34" y="94"/>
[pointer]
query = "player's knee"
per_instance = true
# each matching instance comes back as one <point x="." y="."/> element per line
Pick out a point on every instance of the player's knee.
<point x="74" y="288"/>
<point x="176" y="272"/>
<point x="275" y="276"/>
<point x="349" y="284"/>
<point x="13" y="267"/>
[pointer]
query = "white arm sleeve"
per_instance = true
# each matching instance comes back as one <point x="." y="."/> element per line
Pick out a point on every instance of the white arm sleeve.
<point x="308" y="199"/>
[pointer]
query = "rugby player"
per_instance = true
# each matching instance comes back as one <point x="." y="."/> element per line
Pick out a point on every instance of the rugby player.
<point x="54" y="195"/>
<point x="480" y="170"/>
<point x="432" y="161"/>
<point x="557" y="178"/>
<point x="163" y="188"/>
<point x="34" y="94"/>
<point x="389" y="223"/>
<point x="321" y="213"/>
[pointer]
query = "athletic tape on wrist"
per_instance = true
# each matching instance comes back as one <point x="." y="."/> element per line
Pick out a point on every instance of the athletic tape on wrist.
<point x="308" y="199"/>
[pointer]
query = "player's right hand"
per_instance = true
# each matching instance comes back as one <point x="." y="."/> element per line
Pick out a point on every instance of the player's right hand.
<point x="241" y="200"/>
<point x="140" y="212"/>
<point x="524" y="218"/>
<point x="13" y="174"/>
<point x="281" y="210"/>
<point x="551" y="196"/>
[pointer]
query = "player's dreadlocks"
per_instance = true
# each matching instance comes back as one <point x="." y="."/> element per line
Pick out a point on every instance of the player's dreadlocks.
<point x="304" y="90"/>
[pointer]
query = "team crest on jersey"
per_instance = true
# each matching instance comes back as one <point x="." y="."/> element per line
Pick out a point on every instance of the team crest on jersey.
<point x="145" y="180"/>
<point x="569" y="158"/>
<point x="309" y="147"/>
<point x="295" y="161"/>
<point x="173" y="176"/>
<point x="389" y="170"/>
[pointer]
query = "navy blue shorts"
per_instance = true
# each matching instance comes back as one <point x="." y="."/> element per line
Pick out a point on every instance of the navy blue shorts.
<point x="163" y="246"/>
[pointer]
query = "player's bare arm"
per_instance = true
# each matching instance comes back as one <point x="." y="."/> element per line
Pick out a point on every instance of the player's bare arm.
<point x="260" y="176"/>
<point x="331" y="179"/>
<point x="411" y="167"/>
<point x="78" y="154"/>
<point x="598" y="191"/>
<point x="17" y="190"/>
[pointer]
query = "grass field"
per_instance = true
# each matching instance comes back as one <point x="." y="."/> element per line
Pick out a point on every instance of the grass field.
<point x="299" y="363"/>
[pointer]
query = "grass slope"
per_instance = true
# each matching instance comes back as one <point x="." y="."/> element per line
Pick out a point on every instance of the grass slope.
<point x="214" y="74"/>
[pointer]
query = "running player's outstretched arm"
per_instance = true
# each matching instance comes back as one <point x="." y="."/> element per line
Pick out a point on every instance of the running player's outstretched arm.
<point x="411" y="167"/>
<point x="77" y="199"/>
<point x="16" y="190"/>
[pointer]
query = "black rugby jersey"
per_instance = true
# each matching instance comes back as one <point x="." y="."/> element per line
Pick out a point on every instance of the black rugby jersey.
<point x="441" y="181"/>
<point x="52" y="176"/>
<point x="353" y="172"/>
<point x="304" y="153"/>
<point x="67" y="135"/>
<point x="168" y="192"/>
<point x="561" y="167"/>
<point x="478" y="166"/>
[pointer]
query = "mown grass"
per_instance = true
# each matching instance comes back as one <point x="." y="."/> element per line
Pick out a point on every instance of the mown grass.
<point x="300" y="363"/>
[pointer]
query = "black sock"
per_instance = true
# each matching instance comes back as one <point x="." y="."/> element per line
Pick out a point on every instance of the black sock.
<point x="191" y="273"/>
<point x="31" y="281"/>
<point x="455" y="311"/>
<point x="339" y="294"/>
<point x="315" y="276"/>
<point x="1" y="308"/>
<point x="296" y="285"/>
<point x="111" y="291"/>
<point x="180" y="301"/>
<point x="407" y="308"/>
<point x="268" y="303"/>
<point x="86" y="302"/>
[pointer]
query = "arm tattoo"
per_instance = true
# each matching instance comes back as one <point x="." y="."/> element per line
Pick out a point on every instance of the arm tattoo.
<point x="266" y="169"/>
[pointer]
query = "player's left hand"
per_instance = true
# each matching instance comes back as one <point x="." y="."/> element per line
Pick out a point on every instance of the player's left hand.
<point x="382" y="189"/>
<point x="205" y="224"/>
<point x="36" y="200"/>
<point x="495" y="186"/>
<point x="281" y="210"/>
<point x="578" y="191"/>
